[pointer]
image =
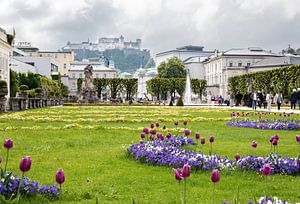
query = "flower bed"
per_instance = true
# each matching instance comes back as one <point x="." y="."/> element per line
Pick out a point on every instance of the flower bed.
<point x="170" y="152"/>
<point x="265" y="124"/>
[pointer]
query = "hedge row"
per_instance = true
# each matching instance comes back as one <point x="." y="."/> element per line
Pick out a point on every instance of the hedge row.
<point x="282" y="79"/>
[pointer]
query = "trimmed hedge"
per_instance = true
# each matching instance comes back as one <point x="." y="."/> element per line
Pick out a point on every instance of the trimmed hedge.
<point x="281" y="79"/>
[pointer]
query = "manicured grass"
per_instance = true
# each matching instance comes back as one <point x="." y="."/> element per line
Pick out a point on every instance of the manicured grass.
<point x="88" y="143"/>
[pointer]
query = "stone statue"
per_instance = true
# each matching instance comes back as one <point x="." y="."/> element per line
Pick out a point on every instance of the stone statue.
<point x="88" y="93"/>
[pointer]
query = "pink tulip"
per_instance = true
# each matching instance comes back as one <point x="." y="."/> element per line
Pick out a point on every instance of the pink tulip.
<point x="215" y="175"/>
<point x="60" y="176"/>
<point x="186" y="171"/>
<point x="266" y="170"/>
<point x="25" y="163"/>
<point x="8" y="143"/>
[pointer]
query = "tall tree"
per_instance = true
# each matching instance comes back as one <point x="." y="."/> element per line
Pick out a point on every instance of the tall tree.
<point x="130" y="87"/>
<point x="172" y="68"/>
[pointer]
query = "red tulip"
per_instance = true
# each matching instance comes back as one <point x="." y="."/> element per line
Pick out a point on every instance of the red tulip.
<point x="215" y="175"/>
<point x="186" y="171"/>
<point x="25" y="163"/>
<point x="8" y="143"/>
<point x="60" y="176"/>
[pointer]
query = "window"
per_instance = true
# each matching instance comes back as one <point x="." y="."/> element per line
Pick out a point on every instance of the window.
<point x="248" y="64"/>
<point x="230" y="64"/>
<point x="239" y="64"/>
<point x="65" y="65"/>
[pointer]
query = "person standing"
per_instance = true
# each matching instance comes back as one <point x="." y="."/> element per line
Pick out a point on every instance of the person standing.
<point x="293" y="99"/>
<point x="269" y="98"/>
<point x="231" y="100"/>
<point x="259" y="99"/>
<point x="254" y="99"/>
<point x="278" y="99"/>
<point x="298" y="97"/>
<point x="264" y="100"/>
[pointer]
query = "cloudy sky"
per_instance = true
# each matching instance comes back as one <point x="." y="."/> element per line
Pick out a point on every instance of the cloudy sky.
<point x="161" y="24"/>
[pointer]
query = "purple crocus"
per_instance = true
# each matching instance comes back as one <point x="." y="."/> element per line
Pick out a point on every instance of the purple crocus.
<point x="254" y="144"/>
<point x="187" y="132"/>
<point x="215" y="175"/>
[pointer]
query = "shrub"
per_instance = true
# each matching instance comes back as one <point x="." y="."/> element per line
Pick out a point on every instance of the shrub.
<point x="3" y="83"/>
<point x="38" y="90"/>
<point x="23" y="88"/>
<point x="179" y="102"/>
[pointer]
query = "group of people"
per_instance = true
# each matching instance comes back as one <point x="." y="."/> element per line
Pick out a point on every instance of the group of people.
<point x="260" y="99"/>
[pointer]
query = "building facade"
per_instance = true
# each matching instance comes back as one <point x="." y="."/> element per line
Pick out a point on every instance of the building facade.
<point x="5" y="52"/>
<point x="222" y="65"/>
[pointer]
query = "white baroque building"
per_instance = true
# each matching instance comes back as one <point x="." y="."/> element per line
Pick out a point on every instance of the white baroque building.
<point x="222" y="65"/>
<point x="5" y="52"/>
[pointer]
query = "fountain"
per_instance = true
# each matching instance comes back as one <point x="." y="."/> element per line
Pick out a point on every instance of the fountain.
<point x="188" y="90"/>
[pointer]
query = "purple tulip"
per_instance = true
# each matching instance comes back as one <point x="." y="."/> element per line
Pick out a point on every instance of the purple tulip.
<point x="142" y="135"/>
<point x="187" y="132"/>
<point x="298" y="138"/>
<point x="159" y="135"/>
<point x="60" y="176"/>
<point x="237" y="156"/>
<point x="266" y="170"/>
<point x="178" y="174"/>
<point x="176" y="122"/>
<point x="151" y="137"/>
<point x="276" y="137"/>
<point x="274" y="142"/>
<point x="186" y="171"/>
<point x="215" y="175"/>
<point x="168" y="135"/>
<point x="164" y="127"/>
<point x="152" y="126"/>
<point x="197" y="135"/>
<point x="146" y="130"/>
<point x="8" y="143"/>
<point x="202" y="140"/>
<point x="254" y="144"/>
<point x="25" y="163"/>
<point x="184" y="122"/>
<point x="271" y="139"/>
<point x="211" y="139"/>
<point x="153" y="132"/>
<point x="157" y="124"/>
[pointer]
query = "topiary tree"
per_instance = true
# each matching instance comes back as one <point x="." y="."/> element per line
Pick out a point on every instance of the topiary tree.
<point x="100" y="85"/>
<point x="179" y="102"/>
<point x="14" y="83"/>
<point x="130" y="87"/>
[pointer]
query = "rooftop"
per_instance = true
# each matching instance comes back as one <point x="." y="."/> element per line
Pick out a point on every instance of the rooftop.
<point x="277" y="61"/>
<point x="249" y="51"/>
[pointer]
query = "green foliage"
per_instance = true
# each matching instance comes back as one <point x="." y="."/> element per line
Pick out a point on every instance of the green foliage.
<point x="38" y="90"/>
<point x="100" y="84"/>
<point x="282" y="79"/>
<point x="130" y="87"/>
<point x="172" y="68"/>
<point x="114" y="86"/>
<point x="179" y="102"/>
<point x="79" y="84"/>
<point x="198" y="86"/>
<point x="3" y="83"/>
<point x="14" y="83"/>
<point x="23" y="88"/>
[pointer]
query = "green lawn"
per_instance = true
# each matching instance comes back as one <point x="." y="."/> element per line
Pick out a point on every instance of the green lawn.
<point x="88" y="143"/>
